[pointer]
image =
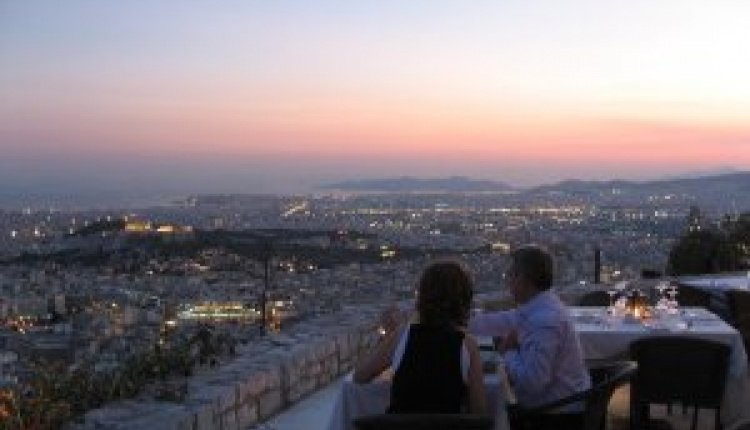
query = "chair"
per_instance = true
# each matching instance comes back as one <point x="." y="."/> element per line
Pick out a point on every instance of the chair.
<point x="674" y="369"/>
<point x="739" y="313"/>
<point x="605" y="380"/>
<point x="742" y="425"/>
<point x="424" y="422"/>
<point x="693" y="297"/>
<point x="595" y="298"/>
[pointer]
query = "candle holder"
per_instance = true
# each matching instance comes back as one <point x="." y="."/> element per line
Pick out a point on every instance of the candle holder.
<point x="637" y="305"/>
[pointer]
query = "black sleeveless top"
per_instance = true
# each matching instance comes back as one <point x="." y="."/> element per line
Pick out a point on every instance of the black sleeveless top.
<point x="428" y="379"/>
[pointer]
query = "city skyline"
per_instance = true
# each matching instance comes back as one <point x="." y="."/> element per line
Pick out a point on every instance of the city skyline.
<point x="282" y="97"/>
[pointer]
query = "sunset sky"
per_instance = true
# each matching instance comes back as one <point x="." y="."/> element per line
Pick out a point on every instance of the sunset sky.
<point x="259" y="96"/>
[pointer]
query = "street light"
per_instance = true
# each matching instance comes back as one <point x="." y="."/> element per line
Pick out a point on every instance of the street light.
<point x="597" y="265"/>
<point x="266" y="254"/>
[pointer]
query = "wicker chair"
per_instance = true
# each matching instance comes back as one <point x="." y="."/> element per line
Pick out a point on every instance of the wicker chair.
<point x="605" y="380"/>
<point x="664" y="362"/>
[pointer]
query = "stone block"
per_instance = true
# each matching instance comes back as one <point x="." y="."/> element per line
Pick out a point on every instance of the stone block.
<point x="228" y="421"/>
<point x="294" y="393"/>
<point x="204" y="417"/>
<point x="269" y="403"/>
<point x="251" y="386"/>
<point x="247" y="414"/>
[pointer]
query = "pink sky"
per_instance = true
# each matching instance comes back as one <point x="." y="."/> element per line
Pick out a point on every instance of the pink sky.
<point x="526" y="93"/>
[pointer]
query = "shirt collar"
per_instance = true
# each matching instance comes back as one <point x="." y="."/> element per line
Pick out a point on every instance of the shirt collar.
<point x="535" y="302"/>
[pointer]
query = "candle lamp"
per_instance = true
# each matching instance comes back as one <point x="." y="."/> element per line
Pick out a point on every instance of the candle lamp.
<point x="637" y="305"/>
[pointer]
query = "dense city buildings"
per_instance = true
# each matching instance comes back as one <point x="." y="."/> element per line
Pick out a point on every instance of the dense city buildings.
<point x="102" y="289"/>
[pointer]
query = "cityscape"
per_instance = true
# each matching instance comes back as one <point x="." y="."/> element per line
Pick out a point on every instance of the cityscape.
<point x="194" y="280"/>
<point x="205" y="210"/>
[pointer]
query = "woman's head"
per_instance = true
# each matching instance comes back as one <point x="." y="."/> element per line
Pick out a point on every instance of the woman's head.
<point x="444" y="294"/>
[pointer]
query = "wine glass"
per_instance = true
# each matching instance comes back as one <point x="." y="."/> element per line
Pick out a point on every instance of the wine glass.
<point x="661" y="287"/>
<point x="673" y="304"/>
<point x="612" y="293"/>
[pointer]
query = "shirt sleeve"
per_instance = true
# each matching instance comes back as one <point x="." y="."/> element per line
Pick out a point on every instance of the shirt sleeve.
<point x="530" y="366"/>
<point x="494" y="323"/>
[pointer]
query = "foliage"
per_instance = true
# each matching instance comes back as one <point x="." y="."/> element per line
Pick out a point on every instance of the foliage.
<point x="712" y="251"/>
<point x="57" y="395"/>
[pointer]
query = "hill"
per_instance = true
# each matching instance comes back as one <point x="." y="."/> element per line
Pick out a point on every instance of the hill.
<point x="411" y="184"/>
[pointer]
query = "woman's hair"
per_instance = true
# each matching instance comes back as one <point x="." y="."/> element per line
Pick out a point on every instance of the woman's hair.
<point x="444" y="294"/>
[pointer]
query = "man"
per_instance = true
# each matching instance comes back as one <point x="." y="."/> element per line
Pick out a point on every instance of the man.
<point x="541" y="351"/>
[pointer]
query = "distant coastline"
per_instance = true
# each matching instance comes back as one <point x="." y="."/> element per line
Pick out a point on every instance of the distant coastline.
<point x="732" y="185"/>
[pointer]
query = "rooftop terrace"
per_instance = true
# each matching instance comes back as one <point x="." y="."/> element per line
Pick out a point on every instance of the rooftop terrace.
<point x="290" y="382"/>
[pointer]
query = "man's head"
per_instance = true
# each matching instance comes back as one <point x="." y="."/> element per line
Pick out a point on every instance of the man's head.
<point x="531" y="271"/>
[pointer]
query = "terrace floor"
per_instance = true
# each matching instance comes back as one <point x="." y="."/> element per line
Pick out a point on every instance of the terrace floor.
<point x="313" y="412"/>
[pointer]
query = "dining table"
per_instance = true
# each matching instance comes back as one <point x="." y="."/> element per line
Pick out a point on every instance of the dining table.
<point x="603" y="338"/>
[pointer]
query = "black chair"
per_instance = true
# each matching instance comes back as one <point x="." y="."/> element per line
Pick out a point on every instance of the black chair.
<point x="595" y="298"/>
<point x="424" y="422"/>
<point x="693" y="297"/>
<point x="605" y="379"/>
<point x="677" y="369"/>
<point x="743" y="425"/>
<point x="738" y="302"/>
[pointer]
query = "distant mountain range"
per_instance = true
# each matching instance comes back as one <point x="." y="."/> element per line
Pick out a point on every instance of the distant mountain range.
<point x="411" y="184"/>
<point x="722" y="184"/>
<point x="730" y="184"/>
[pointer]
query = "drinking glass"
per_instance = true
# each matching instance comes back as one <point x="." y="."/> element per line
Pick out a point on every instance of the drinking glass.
<point x="661" y="287"/>
<point x="673" y="304"/>
<point x="612" y="293"/>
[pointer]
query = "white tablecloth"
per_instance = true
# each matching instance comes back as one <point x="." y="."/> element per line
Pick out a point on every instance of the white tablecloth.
<point x="355" y="400"/>
<point x="601" y="339"/>
<point x="724" y="283"/>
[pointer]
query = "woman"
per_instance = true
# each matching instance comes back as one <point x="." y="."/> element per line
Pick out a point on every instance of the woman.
<point x="436" y="363"/>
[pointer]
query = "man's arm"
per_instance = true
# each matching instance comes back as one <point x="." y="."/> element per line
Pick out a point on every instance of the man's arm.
<point x="530" y="366"/>
<point x="495" y="324"/>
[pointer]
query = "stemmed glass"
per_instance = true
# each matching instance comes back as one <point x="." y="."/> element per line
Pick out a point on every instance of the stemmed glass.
<point x="662" y="303"/>
<point x="661" y="287"/>
<point x="673" y="304"/>
<point x="612" y="293"/>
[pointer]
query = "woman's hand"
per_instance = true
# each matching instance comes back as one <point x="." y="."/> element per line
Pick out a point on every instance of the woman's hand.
<point x="373" y="364"/>
<point x="391" y="320"/>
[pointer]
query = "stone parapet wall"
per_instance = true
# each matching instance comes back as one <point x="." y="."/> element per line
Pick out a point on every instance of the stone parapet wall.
<point x="267" y="377"/>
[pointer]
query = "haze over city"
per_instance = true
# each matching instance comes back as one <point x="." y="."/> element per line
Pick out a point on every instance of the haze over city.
<point x="141" y="98"/>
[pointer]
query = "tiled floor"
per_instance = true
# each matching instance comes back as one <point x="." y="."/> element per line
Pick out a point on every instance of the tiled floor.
<point x="313" y="412"/>
<point x="619" y="412"/>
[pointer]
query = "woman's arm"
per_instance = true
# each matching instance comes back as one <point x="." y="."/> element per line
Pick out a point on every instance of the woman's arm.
<point x="477" y="393"/>
<point x="374" y="363"/>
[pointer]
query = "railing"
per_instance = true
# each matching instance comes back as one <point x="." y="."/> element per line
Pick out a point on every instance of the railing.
<point x="267" y="377"/>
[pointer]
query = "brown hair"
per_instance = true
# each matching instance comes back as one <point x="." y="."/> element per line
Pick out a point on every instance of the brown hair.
<point x="445" y="291"/>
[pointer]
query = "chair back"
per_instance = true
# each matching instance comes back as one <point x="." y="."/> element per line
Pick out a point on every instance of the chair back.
<point x="424" y="422"/>
<point x="739" y="313"/>
<point x="595" y="298"/>
<point x="742" y="425"/>
<point x="679" y="369"/>
<point x="693" y="297"/>
<point x="605" y="380"/>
